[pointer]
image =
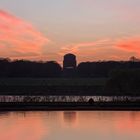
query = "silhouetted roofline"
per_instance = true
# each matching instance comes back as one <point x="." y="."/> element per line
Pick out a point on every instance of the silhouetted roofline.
<point x="69" y="54"/>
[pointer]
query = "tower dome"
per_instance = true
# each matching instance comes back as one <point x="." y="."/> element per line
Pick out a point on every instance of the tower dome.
<point x="69" y="61"/>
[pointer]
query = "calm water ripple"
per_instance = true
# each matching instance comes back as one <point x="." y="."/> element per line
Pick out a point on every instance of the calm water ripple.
<point x="67" y="125"/>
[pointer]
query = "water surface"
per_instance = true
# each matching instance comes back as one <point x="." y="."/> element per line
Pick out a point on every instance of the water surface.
<point x="67" y="125"/>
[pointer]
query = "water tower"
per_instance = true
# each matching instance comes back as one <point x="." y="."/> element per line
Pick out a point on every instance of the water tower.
<point x="69" y="64"/>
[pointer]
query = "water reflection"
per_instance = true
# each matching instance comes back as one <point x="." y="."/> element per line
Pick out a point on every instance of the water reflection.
<point x="69" y="117"/>
<point x="22" y="126"/>
<point x="69" y="125"/>
<point x="4" y="114"/>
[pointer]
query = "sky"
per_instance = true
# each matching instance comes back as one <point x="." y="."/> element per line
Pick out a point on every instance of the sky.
<point x="91" y="29"/>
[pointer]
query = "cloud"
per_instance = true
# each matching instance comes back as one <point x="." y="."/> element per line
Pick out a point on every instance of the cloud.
<point x="131" y="44"/>
<point x="89" y="51"/>
<point x="78" y="47"/>
<point x="18" y="38"/>
<point x="104" y="49"/>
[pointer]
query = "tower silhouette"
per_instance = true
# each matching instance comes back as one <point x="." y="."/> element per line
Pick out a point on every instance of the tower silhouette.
<point x="69" y="64"/>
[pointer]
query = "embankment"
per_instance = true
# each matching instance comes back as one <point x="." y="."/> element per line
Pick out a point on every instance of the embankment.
<point x="69" y="106"/>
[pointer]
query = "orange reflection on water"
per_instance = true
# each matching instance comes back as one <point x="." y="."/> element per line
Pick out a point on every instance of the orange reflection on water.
<point x="69" y="118"/>
<point x="69" y="125"/>
<point x="21" y="126"/>
<point x="106" y="122"/>
<point x="128" y="122"/>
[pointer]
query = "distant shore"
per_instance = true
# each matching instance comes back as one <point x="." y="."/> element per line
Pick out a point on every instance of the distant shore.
<point x="63" y="87"/>
<point x="69" y="106"/>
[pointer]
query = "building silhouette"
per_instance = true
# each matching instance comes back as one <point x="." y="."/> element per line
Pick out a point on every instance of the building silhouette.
<point x="69" y="65"/>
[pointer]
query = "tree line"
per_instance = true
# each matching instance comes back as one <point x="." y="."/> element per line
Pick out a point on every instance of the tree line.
<point x="104" y="68"/>
<point x="26" y="68"/>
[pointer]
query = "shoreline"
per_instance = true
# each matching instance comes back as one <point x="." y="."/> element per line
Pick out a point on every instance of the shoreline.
<point x="68" y="107"/>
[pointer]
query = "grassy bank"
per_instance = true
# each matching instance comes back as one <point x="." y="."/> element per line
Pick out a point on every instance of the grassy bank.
<point x="53" y="81"/>
<point x="121" y="84"/>
<point x="53" y="86"/>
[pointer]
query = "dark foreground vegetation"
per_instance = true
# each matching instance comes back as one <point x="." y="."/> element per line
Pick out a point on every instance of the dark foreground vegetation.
<point x="111" y="78"/>
<point x="51" y="69"/>
<point x="52" y="86"/>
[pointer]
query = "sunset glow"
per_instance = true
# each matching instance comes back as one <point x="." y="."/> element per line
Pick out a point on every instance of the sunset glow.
<point x="19" y="39"/>
<point x="93" y="30"/>
<point x="56" y="125"/>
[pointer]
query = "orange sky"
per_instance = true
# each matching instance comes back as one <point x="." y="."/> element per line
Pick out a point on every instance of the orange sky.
<point x="19" y="39"/>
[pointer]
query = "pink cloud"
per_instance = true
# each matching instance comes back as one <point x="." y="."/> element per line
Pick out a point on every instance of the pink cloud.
<point x="130" y="45"/>
<point x="77" y="48"/>
<point x="128" y="15"/>
<point x="18" y="38"/>
<point x="104" y="49"/>
<point x="90" y="51"/>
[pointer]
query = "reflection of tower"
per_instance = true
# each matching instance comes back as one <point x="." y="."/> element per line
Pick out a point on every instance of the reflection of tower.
<point x="70" y="117"/>
<point x="69" y="64"/>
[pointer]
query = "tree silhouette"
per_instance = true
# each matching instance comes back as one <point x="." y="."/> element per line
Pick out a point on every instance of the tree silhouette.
<point x="25" y="68"/>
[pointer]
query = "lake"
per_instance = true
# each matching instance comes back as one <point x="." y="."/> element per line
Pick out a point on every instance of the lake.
<point x="70" y="125"/>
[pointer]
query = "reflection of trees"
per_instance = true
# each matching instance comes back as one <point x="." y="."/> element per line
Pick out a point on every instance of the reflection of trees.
<point x="23" y="126"/>
<point x="4" y="113"/>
